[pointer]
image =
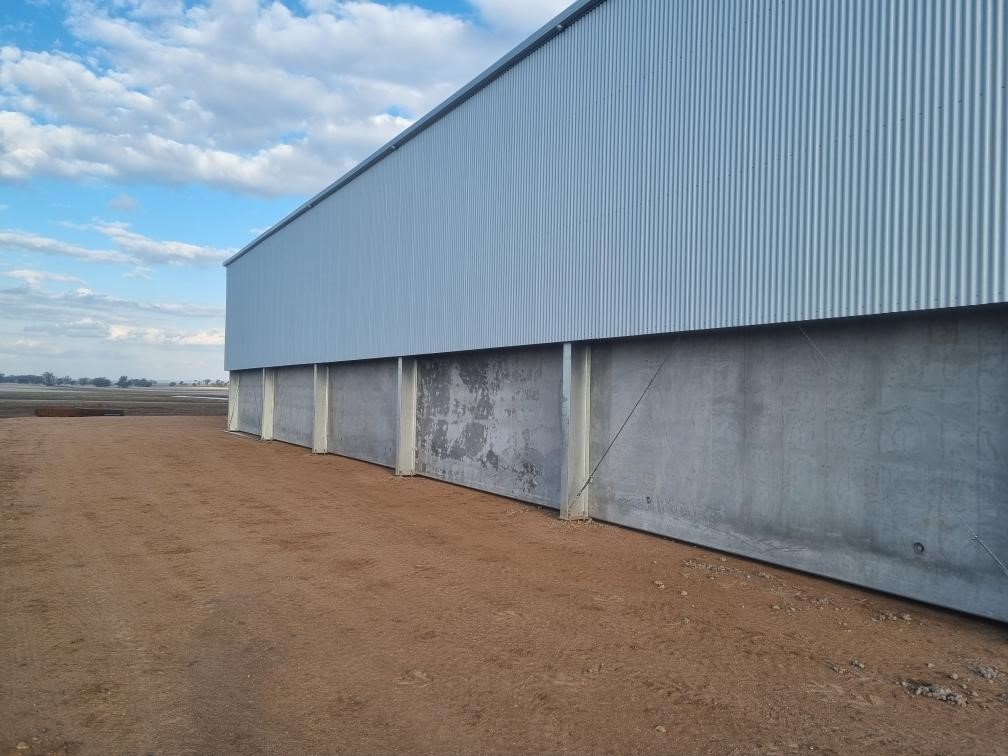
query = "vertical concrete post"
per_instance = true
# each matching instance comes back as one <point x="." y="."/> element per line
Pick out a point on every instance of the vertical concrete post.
<point x="267" y="406"/>
<point x="407" y="424"/>
<point x="320" y="437"/>
<point x="232" y="419"/>
<point x="574" y="410"/>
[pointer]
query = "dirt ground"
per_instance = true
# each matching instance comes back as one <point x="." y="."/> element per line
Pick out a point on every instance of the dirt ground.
<point x="18" y="400"/>
<point x="171" y="588"/>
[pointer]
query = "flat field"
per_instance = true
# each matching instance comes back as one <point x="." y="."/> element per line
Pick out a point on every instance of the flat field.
<point x="167" y="587"/>
<point x="19" y="400"/>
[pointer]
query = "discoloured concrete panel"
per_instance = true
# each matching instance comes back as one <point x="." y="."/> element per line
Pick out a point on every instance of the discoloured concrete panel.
<point x="294" y="405"/>
<point x="250" y="397"/>
<point x="491" y="420"/>
<point x="870" y="468"/>
<point x="363" y="406"/>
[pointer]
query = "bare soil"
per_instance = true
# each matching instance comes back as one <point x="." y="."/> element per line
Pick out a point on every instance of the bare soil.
<point x="166" y="587"/>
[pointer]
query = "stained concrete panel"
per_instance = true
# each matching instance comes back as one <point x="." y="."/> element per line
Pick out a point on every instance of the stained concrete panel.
<point x="491" y="420"/>
<point x="363" y="408"/>
<point x="250" y="400"/>
<point x="872" y="462"/>
<point x="294" y="405"/>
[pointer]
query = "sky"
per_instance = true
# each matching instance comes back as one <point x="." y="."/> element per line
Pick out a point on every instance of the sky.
<point x="142" y="142"/>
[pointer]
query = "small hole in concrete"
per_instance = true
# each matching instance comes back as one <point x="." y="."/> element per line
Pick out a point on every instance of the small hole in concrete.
<point x="918" y="548"/>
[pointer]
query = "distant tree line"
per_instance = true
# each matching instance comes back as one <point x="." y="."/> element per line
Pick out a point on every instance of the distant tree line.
<point x="50" y="379"/>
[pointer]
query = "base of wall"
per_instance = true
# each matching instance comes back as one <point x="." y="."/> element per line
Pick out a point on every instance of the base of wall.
<point x="870" y="450"/>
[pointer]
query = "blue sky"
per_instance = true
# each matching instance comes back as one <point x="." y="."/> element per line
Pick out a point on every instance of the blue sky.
<point x="143" y="141"/>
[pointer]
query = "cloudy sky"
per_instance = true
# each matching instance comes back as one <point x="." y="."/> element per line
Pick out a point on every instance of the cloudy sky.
<point x="143" y="141"/>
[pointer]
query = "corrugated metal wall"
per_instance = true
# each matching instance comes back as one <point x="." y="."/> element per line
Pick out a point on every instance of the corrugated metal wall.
<point x="660" y="167"/>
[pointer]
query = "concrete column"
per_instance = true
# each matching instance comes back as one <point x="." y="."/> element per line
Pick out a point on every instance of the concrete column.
<point x="269" y="391"/>
<point x="407" y="424"/>
<point x="320" y="438"/>
<point x="574" y="409"/>
<point x="232" y="419"/>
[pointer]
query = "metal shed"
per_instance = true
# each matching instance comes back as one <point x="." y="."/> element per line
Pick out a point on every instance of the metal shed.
<point x="734" y="272"/>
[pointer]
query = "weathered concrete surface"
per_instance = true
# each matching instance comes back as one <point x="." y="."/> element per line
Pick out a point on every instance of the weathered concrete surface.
<point x="363" y="406"/>
<point x="294" y="405"/>
<point x="491" y="420"/>
<point x="871" y="469"/>
<point x="250" y="397"/>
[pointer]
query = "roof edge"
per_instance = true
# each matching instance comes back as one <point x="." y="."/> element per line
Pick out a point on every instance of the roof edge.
<point x="551" y="29"/>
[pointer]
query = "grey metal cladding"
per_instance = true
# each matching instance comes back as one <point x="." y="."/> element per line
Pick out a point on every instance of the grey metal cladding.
<point x="660" y="167"/>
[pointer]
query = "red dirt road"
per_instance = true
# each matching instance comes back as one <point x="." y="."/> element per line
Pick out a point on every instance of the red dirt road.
<point x="166" y="587"/>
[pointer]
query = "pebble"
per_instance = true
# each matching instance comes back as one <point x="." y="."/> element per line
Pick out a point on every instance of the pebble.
<point x="775" y="607"/>
<point x="954" y="676"/>
<point x="22" y="746"/>
<point x="906" y="617"/>
<point x="930" y="665"/>
<point x="987" y="673"/>
<point x="683" y="593"/>
<point x="856" y="663"/>
<point x="659" y="583"/>
<point x="933" y="691"/>
<point x="660" y="729"/>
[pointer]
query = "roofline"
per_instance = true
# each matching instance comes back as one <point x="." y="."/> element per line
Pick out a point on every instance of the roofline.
<point x="552" y="29"/>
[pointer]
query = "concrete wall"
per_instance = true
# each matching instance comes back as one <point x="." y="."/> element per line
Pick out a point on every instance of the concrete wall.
<point x="363" y="407"/>
<point x="294" y="405"/>
<point x="750" y="442"/>
<point x="250" y="400"/>
<point x="491" y="420"/>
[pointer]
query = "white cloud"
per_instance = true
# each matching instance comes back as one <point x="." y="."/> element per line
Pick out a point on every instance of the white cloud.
<point x="165" y="337"/>
<point x="80" y="329"/>
<point x="25" y="241"/>
<point x="241" y="95"/>
<point x="36" y="277"/>
<point x="32" y="303"/>
<point x="123" y="203"/>
<point x="523" y="15"/>
<point x="129" y="248"/>
<point x="149" y="250"/>
<point x="139" y="272"/>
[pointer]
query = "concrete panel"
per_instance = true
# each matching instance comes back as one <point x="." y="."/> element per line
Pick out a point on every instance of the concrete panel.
<point x="873" y="467"/>
<point x="363" y="404"/>
<point x="250" y="397"/>
<point x="491" y="420"/>
<point x="294" y="405"/>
